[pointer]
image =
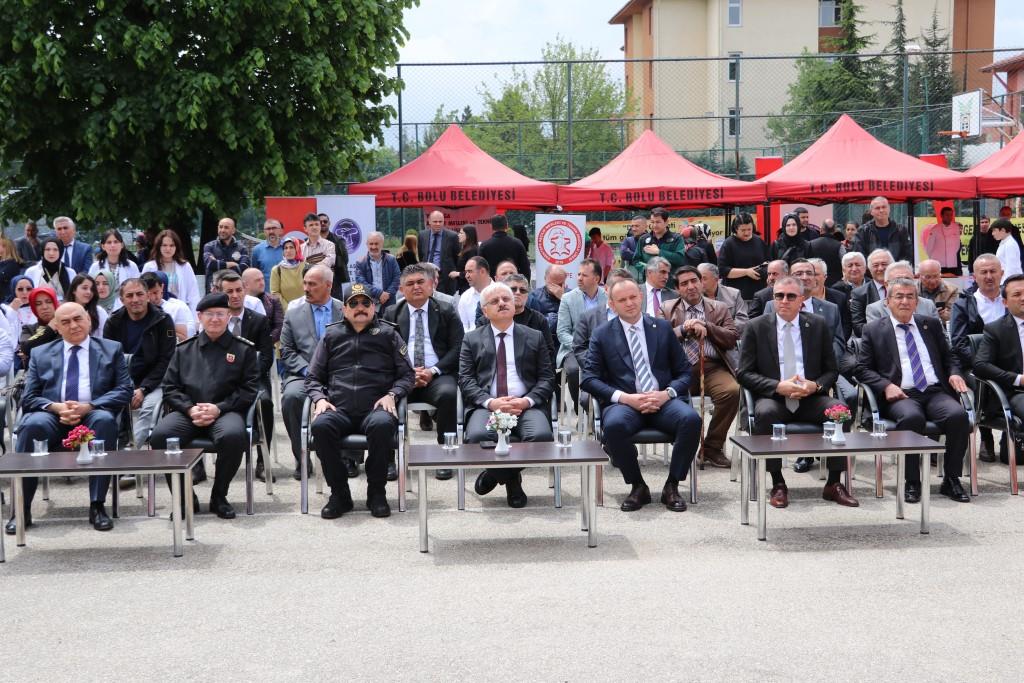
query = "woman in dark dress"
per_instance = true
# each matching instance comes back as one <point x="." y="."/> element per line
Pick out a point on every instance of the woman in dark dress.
<point x="790" y="245"/>
<point x="408" y="254"/>
<point x="10" y="263"/>
<point x="743" y="256"/>
<point x="468" y="248"/>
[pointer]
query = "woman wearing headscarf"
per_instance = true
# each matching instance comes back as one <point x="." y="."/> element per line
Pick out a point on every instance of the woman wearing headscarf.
<point x="50" y="271"/>
<point x="43" y="301"/>
<point x="286" y="276"/>
<point x="790" y="244"/>
<point x="19" y="312"/>
<point x="106" y="293"/>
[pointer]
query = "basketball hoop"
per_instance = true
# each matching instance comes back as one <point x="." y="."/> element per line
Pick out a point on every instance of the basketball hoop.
<point x="954" y="133"/>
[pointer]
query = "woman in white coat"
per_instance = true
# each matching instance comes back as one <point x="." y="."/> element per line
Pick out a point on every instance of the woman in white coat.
<point x="169" y="258"/>
<point x="114" y="257"/>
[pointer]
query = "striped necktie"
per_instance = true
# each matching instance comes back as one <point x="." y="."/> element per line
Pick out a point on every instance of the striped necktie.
<point x="920" y="382"/>
<point x="643" y="372"/>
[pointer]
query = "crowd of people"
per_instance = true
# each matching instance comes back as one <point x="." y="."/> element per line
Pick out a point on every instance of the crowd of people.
<point x="799" y="324"/>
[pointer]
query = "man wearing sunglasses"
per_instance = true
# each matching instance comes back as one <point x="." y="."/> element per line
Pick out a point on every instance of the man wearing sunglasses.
<point x="357" y="375"/>
<point x="788" y="364"/>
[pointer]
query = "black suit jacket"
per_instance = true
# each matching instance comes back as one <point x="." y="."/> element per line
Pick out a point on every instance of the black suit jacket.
<point x="878" y="361"/>
<point x="759" y="354"/>
<point x="999" y="356"/>
<point x="860" y="299"/>
<point x="443" y="326"/>
<point x="449" y="256"/>
<point x="477" y="365"/>
<point x="609" y="365"/>
<point x="759" y="302"/>
<point x="829" y="250"/>
<point x="841" y="300"/>
<point x="256" y="328"/>
<point x="504" y="247"/>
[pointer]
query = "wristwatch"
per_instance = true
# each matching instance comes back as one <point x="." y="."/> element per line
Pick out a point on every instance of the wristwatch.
<point x="671" y="392"/>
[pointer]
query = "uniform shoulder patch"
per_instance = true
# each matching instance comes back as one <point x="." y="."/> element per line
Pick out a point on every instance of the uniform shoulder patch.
<point x="390" y="324"/>
<point x="336" y="322"/>
<point x="245" y="341"/>
<point x="188" y="339"/>
<point x="404" y="350"/>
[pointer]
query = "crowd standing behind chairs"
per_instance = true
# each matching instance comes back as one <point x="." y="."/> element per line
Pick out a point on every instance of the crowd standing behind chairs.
<point x="798" y="325"/>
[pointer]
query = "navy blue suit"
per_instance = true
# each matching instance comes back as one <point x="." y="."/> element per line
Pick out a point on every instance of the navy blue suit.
<point x="109" y="384"/>
<point x="390" y="273"/>
<point x="81" y="256"/>
<point x="609" y="368"/>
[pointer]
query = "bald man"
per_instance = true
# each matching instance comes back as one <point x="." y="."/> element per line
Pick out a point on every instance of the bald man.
<point x="440" y="246"/>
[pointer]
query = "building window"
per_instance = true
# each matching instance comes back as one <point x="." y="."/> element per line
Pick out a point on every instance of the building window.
<point x="735" y="12"/>
<point x="734" y="122"/>
<point x="734" y="67"/>
<point x="830" y="12"/>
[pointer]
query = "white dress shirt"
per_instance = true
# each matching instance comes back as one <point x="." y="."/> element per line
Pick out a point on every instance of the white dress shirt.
<point x="880" y="289"/>
<point x="1008" y="254"/>
<point x="1019" y="322"/>
<point x="180" y="314"/>
<point x="907" y="381"/>
<point x="798" y="346"/>
<point x="516" y="387"/>
<point x="429" y="355"/>
<point x="990" y="310"/>
<point x="649" y="293"/>
<point x="84" y="387"/>
<point x="468" y="301"/>
<point x="643" y="350"/>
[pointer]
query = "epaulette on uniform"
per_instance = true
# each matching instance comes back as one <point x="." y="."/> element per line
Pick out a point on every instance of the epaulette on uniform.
<point x="244" y="340"/>
<point x="188" y="339"/>
<point x="390" y="324"/>
<point x="336" y="322"/>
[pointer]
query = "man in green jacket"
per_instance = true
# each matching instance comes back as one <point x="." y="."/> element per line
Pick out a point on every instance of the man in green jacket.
<point x="658" y="242"/>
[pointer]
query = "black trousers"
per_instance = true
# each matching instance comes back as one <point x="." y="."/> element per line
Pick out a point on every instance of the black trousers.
<point x="380" y="428"/>
<point x="440" y="393"/>
<point x="227" y="433"/>
<point x="769" y="411"/>
<point x="571" y="368"/>
<point x="936" y="405"/>
<point x="534" y="425"/>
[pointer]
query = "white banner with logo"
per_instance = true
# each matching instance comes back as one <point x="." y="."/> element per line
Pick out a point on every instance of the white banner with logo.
<point x="353" y="218"/>
<point x="559" y="241"/>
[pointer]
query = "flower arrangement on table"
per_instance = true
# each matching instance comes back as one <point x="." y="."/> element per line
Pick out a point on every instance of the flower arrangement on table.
<point x="838" y="414"/>
<point x="78" y="437"/>
<point x="502" y="422"/>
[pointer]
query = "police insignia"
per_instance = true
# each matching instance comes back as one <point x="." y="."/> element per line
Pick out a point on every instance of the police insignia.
<point x="404" y="350"/>
<point x="230" y="358"/>
<point x="375" y="330"/>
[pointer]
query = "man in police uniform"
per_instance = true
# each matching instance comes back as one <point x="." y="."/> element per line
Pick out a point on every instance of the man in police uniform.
<point x="210" y="384"/>
<point x="357" y="375"/>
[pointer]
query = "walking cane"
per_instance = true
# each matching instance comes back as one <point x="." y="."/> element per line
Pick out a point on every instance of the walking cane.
<point x="700" y="369"/>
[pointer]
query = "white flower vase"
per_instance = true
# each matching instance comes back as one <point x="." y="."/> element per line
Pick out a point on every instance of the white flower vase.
<point x="503" y="446"/>
<point x="84" y="456"/>
<point x="838" y="436"/>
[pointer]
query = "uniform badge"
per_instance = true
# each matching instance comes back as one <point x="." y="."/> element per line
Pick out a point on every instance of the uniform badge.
<point x="404" y="350"/>
<point x="230" y="358"/>
<point x="236" y="256"/>
<point x="170" y="333"/>
<point x="375" y="330"/>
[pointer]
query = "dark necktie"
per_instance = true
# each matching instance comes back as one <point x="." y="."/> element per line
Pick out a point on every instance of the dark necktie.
<point x="71" y="380"/>
<point x="502" y="368"/>
<point x="419" y="354"/>
<point x="435" y="249"/>
<point x="657" y="304"/>
<point x="920" y="383"/>
<point x="67" y="254"/>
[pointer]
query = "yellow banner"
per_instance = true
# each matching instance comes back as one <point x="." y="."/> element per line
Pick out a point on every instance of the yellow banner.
<point x="967" y="225"/>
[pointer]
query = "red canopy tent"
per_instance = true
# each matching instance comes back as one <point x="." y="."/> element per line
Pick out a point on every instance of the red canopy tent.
<point x="455" y="172"/>
<point x="1002" y="174"/>
<point x="847" y="164"/>
<point x="649" y="173"/>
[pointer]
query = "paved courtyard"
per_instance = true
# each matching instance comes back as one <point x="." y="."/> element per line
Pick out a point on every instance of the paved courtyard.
<point x="516" y="594"/>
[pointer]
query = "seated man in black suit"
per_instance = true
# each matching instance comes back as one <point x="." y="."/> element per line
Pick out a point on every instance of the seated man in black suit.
<point x="74" y="380"/>
<point x="433" y="334"/>
<point x="638" y="372"/>
<point x="999" y="357"/>
<point x="776" y="270"/>
<point x="514" y="376"/>
<point x="906" y="361"/>
<point x="788" y="364"/>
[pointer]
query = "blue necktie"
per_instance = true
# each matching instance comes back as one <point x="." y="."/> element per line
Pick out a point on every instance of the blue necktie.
<point x="435" y="250"/>
<point x="71" y="381"/>
<point x="67" y="254"/>
<point x="920" y="383"/>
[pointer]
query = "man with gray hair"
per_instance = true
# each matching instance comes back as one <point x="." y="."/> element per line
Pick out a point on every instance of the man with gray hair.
<point x="730" y="296"/>
<point x="378" y="272"/>
<point x="657" y="271"/>
<point x="776" y="269"/>
<point x="76" y="255"/>
<point x="900" y="270"/>
<point x="872" y="290"/>
<point x="854" y="266"/>
<point x="933" y="287"/>
<point x="882" y="233"/>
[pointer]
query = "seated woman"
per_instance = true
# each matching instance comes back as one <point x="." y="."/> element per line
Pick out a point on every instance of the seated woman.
<point x="106" y="293"/>
<point x="83" y="292"/>
<point x="43" y="302"/>
<point x="50" y="272"/>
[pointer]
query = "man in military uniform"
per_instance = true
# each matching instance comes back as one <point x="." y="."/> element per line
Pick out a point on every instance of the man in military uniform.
<point x="357" y="375"/>
<point x="210" y="384"/>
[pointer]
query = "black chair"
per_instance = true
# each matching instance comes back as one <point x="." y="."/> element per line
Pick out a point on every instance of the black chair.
<point x="1002" y="421"/>
<point x="352" y="442"/>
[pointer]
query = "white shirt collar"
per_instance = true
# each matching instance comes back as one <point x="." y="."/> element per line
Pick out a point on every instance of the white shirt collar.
<point x="896" y="323"/>
<point x="413" y="309"/>
<point x="508" y="333"/>
<point x="84" y="345"/>
<point x="780" y="322"/>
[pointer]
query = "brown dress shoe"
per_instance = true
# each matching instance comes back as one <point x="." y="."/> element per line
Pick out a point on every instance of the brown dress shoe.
<point x="671" y="499"/>
<point x="637" y="498"/>
<point x="780" y="496"/>
<point x="716" y="459"/>
<point x="837" y="493"/>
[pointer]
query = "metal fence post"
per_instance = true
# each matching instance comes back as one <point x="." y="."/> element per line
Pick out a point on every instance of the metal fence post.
<point x="568" y="92"/>
<point x="736" y="120"/>
<point x="401" y="141"/>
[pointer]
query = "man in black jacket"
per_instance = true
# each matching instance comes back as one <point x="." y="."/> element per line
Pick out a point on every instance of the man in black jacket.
<point x="147" y="335"/>
<point x="776" y="269"/>
<point x="503" y="247"/>
<point x="881" y="233"/>
<point x="829" y="248"/>
<point x="871" y="291"/>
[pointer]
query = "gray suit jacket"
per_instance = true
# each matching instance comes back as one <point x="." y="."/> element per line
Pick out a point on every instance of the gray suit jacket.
<point x="109" y="382"/>
<point x="477" y="365"/>
<point x="589" y="322"/>
<point x="830" y="312"/>
<point x="877" y="310"/>
<point x="665" y="295"/>
<point x="298" y="337"/>
<point x="570" y="312"/>
<point x="730" y="296"/>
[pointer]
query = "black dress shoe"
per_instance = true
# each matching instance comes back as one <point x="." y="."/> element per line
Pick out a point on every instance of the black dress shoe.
<point x="199" y="473"/>
<point x="987" y="452"/>
<point x="912" y="492"/>
<point x="392" y="471"/>
<point x="443" y="475"/>
<point x="952" y="489"/>
<point x="671" y="499"/>
<point x="514" y="494"/>
<point x="261" y="473"/>
<point x="426" y="424"/>
<point x="337" y="505"/>
<point x="351" y="468"/>
<point x="639" y="496"/>
<point x="378" y="506"/>
<point x="220" y="506"/>
<point x="297" y="474"/>
<point x="485" y="483"/>
<point x="11" y="527"/>
<point x="803" y="465"/>
<point x="98" y="518"/>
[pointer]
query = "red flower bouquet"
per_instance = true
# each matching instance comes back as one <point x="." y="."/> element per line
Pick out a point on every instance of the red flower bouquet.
<point x="77" y="437"/>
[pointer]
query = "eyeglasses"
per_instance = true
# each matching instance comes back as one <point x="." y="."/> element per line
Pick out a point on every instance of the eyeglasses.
<point x="785" y="296"/>
<point x="359" y="303"/>
<point x="519" y="290"/>
<point x="903" y="297"/>
<point x="216" y="316"/>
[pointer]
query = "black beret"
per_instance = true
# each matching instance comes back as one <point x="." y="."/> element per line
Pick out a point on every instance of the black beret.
<point x="213" y="300"/>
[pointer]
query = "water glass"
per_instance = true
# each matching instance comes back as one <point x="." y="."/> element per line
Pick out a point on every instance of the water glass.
<point x="40" y="447"/>
<point x="173" y="446"/>
<point x="828" y="429"/>
<point x="564" y="438"/>
<point x="878" y="429"/>
<point x="96" y="447"/>
<point x="451" y="441"/>
<point x="778" y="432"/>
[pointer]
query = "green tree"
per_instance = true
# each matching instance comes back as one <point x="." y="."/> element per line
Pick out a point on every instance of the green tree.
<point x="148" y="111"/>
<point x="932" y="84"/>
<point x="891" y="73"/>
